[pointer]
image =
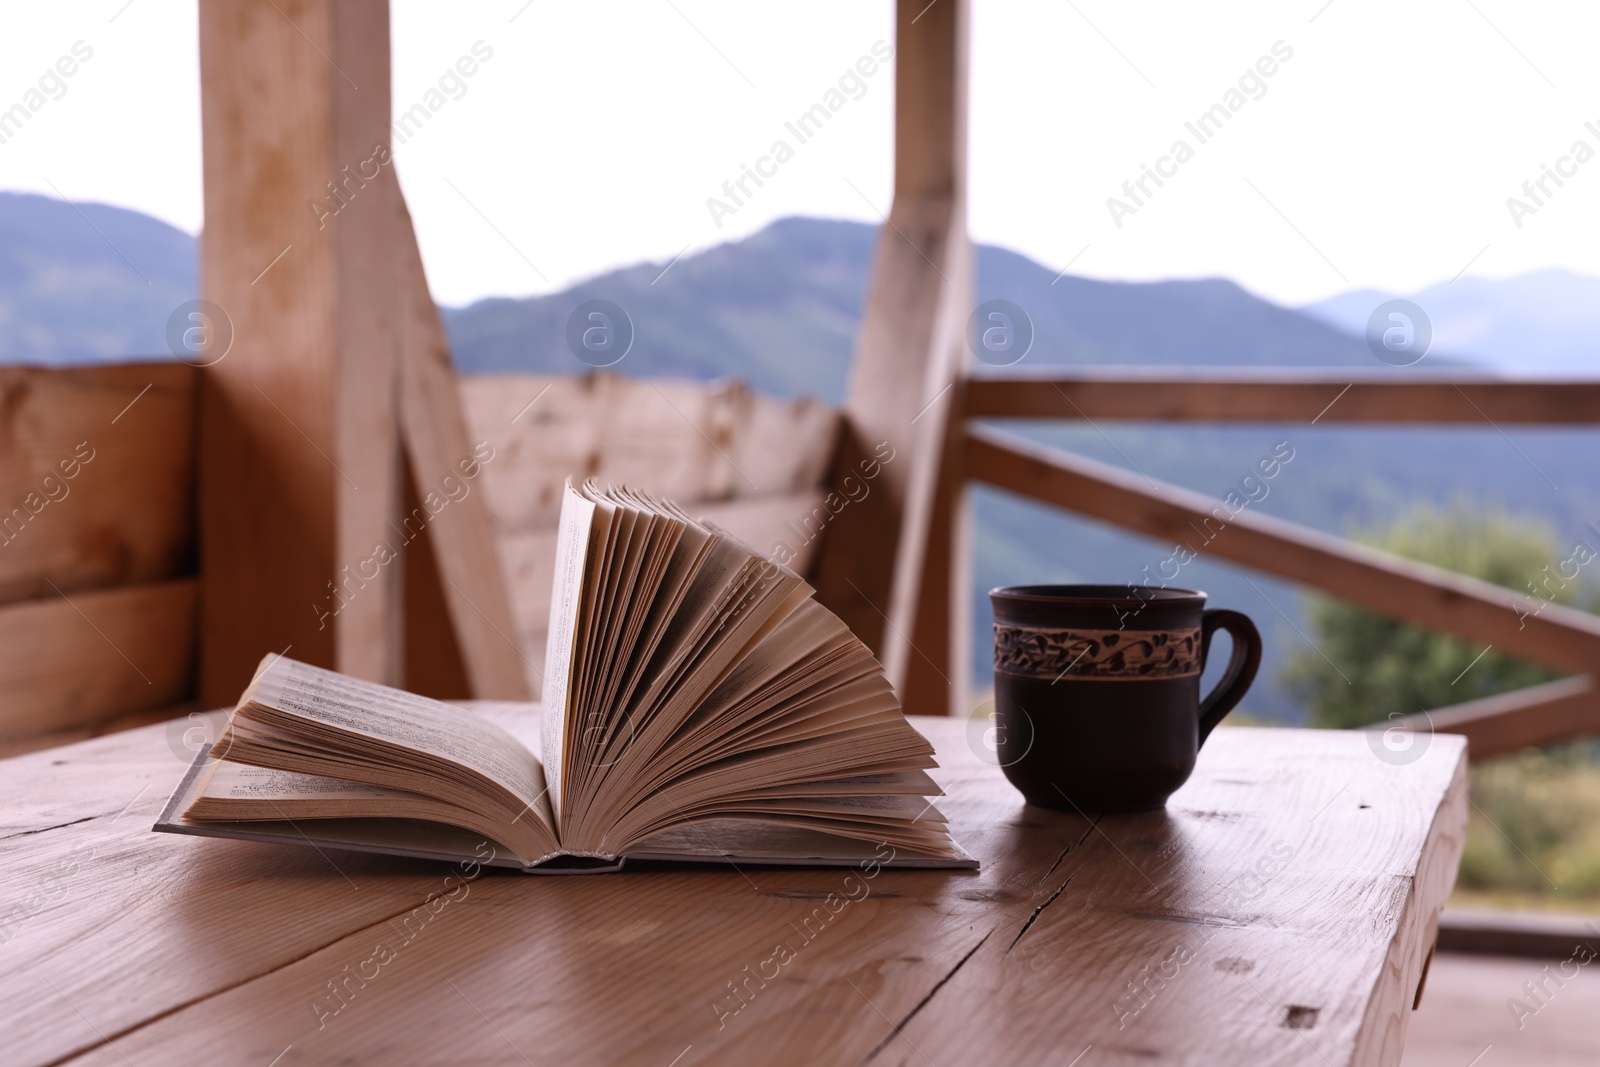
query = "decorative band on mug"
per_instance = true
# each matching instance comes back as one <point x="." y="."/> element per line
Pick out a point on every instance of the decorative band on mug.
<point x="1051" y="653"/>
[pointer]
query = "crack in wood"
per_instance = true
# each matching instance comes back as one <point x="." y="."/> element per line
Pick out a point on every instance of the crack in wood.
<point x="1059" y="889"/>
<point x="1075" y="844"/>
<point x="1059" y="858"/>
<point x="1051" y="899"/>
<point x="47" y="829"/>
<point x="908" y="1016"/>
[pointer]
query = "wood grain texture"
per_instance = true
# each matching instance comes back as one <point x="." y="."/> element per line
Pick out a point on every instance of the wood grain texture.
<point x="435" y="666"/>
<point x="72" y="659"/>
<point x="125" y="515"/>
<point x="1295" y="867"/>
<point x="299" y="469"/>
<point x="1429" y="596"/>
<point x="1537" y="715"/>
<point x="1273" y="394"/>
<point x="893" y="570"/>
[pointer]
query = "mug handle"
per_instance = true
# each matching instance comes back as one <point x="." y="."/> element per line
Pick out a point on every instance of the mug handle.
<point x="1242" y="665"/>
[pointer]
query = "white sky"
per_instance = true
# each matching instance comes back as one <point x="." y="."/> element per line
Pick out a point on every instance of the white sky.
<point x="594" y="135"/>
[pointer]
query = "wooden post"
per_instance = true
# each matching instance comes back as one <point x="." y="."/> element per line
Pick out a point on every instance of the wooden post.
<point x="894" y="565"/>
<point x="308" y="253"/>
<point x="460" y="558"/>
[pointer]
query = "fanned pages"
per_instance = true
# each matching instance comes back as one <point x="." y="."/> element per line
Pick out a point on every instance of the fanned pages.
<point x="699" y="704"/>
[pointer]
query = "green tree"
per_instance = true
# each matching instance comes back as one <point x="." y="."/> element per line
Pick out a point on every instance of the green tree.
<point x="1366" y="667"/>
<point x="1535" y="825"/>
<point x="1534" y="830"/>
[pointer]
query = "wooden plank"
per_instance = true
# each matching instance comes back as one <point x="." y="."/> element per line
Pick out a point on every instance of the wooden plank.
<point x="1287" y="849"/>
<point x="939" y="669"/>
<point x="1467" y="1014"/>
<point x="793" y="521"/>
<point x="96" y="476"/>
<point x="1404" y="589"/>
<point x="300" y="456"/>
<point x="446" y="461"/>
<point x="1507" y="722"/>
<point x="1191" y="952"/>
<point x="1416" y="909"/>
<point x="71" y="659"/>
<point x="686" y="441"/>
<point x="215" y="923"/>
<point x="97" y="728"/>
<point x="1510" y="933"/>
<point x="435" y="665"/>
<point x="1276" y="394"/>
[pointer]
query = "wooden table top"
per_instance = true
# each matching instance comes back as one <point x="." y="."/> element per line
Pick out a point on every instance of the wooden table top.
<point x="1279" y="911"/>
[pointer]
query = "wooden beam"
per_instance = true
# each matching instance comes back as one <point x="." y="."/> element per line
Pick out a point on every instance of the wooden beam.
<point x="440" y="445"/>
<point x="299" y="450"/>
<point x="1404" y="589"/>
<point x="1270" y="394"/>
<point x="71" y="659"/>
<point x="887" y="565"/>
<point x="1505" y="933"/>
<point x="434" y="662"/>
<point x="96" y="476"/>
<point x="1508" y="722"/>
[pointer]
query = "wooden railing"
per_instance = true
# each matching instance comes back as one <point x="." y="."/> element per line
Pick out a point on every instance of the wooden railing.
<point x="1272" y="394"/>
<point x="1556" y="636"/>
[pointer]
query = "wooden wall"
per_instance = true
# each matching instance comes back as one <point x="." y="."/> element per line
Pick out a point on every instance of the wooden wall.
<point x="97" y="545"/>
<point x="97" y="570"/>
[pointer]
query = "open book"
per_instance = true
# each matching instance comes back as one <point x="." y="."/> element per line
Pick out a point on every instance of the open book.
<point x="699" y="704"/>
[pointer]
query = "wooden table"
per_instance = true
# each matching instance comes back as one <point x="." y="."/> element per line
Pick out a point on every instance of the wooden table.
<point x="1281" y="910"/>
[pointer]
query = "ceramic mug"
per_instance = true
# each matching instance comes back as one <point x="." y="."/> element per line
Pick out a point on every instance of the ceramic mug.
<point x="1097" y="690"/>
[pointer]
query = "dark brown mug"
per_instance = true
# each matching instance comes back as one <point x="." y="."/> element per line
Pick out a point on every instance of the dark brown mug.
<point x="1097" y="690"/>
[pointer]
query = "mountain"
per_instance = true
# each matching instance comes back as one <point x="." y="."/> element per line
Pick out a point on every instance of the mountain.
<point x="1544" y="322"/>
<point x="87" y="283"/>
<point x="780" y="310"/>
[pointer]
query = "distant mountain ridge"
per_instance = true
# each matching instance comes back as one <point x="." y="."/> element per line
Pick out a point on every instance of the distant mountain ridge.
<point x="1547" y="322"/>
<point x="87" y="283"/>
<point x="780" y="309"/>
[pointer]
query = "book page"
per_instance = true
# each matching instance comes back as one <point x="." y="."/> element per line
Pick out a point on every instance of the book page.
<point x="237" y="793"/>
<point x="241" y="781"/>
<point x="399" y="718"/>
<point x="566" y="597"/>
